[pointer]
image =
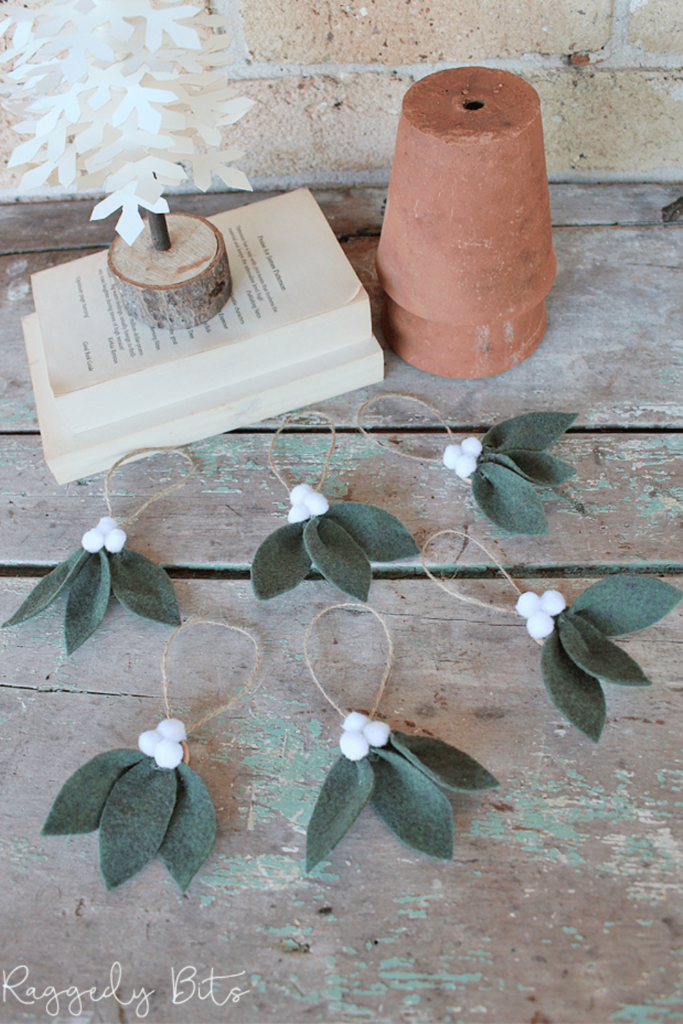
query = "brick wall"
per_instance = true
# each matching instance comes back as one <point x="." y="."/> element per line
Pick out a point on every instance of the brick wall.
<point x="329" y="78"/>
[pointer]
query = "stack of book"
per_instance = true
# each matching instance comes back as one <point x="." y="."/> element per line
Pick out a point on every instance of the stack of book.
<point x="296" y="330"/>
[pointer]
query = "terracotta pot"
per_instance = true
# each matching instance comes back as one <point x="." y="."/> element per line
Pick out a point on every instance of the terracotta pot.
<point x="466" y="255"/>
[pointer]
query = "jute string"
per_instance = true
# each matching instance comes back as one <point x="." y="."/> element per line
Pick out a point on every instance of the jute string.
<point x="408" y="398"/>
<point x="162" y="494"/>
<point x="466" y="598"/>
<point x="390" y="654"/>
<point x="233" y="700"/>
<point x="326" y="465"/>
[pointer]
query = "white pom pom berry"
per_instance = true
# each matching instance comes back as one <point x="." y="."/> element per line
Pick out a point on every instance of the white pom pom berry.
<point x="355" y="721"/>
<point x="115" y="540"/>
<point x="552" y="602"/>
<point x="317" y="504"/>
<point x="149" y="741"/>
<point x="527" y="604"/>
<point x="377" y="733"/>
<point x="298" y="494"/>
<point x="539" y="625"/>
<point x="471" y="446"/>
<point x="465" y="466"/>
<point x="298" y="513"/>
<point x="106" y="525"/>
<point x="168" y="754"/>
<point x="172" y="729"/>
<point x="452" y="452"/>
<point x="354" y="745"/>
<point x="92" y="541"/>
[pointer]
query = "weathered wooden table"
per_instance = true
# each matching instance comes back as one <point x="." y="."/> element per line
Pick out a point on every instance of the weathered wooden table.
<point x="563" y="902"/>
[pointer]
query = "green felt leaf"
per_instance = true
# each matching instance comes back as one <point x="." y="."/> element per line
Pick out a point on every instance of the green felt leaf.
<point x="539" y="467"/>
<point x="336" y="555"/>
<point x="594" y="653"/>
<point x="49" y="588"/>
<point x="442" y="763"/>
<point x="143" y="587"/>
<point x="135" y="819"/>
<point x="281" y="562"/>
<point x="88" y="600"/>
<point x="381" y="535"/>
<point x="531" y="430"/>
<point x="344" y="794"/>
<point x="576" y="694"/>
<point x="191" y="831"/>
<point x="508" y="500"/>
<point x="79" y="803"/>
<point x="412" y="805"/>
<point x="624" y="604"/>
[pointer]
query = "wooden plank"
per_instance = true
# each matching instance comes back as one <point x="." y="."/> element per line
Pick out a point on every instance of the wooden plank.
<point x="65" y="224"/>
<point x="622" y="508"/>
<point x="563" y="897"/>
<point x="613" y="349"/>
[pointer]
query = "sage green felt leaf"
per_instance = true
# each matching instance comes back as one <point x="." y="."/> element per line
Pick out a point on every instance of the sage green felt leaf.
<point x="344" y="794"/>
<point x="280" y="563"/>
<point x="143" y="587"/>
<point x="442" y="763"/>
<point x="191" y="831"/>
<point x="594" y="653"/>
<point x="381" y="535"/>
<point x="336" y="555"/>
<point x="508" y="500"/>
<point x="49" y="588"/>
<point x="88" y="600"/>
<point x="411" y="805"/>
<point x="623" y="604"/>
<point x="134" y="821"/>
<point x="531" y="430"/>
<point x="576" y="694"/>
<point x="79" y="803"/>
<point x="539" y="467"/>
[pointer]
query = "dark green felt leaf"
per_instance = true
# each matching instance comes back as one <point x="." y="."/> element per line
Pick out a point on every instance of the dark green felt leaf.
<point x="49" y="588"/>
<point x="344" y="794"/>
<point x="412" y="805"/>
<point x="88" y="600"/>
<point x="531" y="430"/>
<point x="336" y="555"/>
<point x="444" y="764"/>
<point x="594" y="653"/>
<point x="143" y="587"/>
<point x="192" y="829"/>
<point x="624" y="604"/>
<point x="508" y="500"/>
<point x="281" y="562"/>
<point x="135" y="819"/>
<point x="576" y="694"/>
<point x="381" y="535"/>
<point x="539" y="467"/>
<point x="79" y="803"/>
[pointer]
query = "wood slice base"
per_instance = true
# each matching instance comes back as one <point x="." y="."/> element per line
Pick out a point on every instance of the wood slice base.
<point x="182" y="287"/>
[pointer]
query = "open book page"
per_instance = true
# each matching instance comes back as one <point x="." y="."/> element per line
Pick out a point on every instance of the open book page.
<point x="286" y="266"/>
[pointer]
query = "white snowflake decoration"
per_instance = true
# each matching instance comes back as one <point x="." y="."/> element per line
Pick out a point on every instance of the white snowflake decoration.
<point x="114" y="94"/>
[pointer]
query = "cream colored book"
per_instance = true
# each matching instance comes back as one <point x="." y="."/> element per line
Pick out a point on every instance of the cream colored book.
<point x="72" y="455"/>
<point x="295" y="296"/>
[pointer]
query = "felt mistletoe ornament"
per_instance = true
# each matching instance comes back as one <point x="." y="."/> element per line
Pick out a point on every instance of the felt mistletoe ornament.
<point x="146" y="802"/>
<point x="100" y="567"/>
<point x="505" y="465"/>
<point x="578" y="654"/>
<point x="339" y="541"/>
<point x="400" y="776"/>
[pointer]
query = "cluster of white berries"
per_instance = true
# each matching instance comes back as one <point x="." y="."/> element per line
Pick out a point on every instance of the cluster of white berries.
<point x="463" y="457"/>
<point x="107" y="534"/>
<point x="360" y="733"/>
<point x="306" y="503"/>
<point x="538" y="611"/>
<point x="163" y="743"/>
